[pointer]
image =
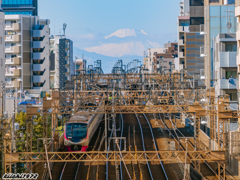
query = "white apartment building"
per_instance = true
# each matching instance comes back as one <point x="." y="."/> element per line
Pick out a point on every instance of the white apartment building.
<point x="61" y="61"/>
<point x="237" y="14"/>
<point x="26" y="53"/>
<point x="2" y="52"/>
<point x="183" y="27"/>
<point x="151" y="53"/>
<point x="225" y="52"/>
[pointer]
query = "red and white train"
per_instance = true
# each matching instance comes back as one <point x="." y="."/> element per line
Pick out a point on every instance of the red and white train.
<point x="79" y="130"/>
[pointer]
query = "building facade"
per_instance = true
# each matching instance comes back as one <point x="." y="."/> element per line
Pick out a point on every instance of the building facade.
<point x="2" y="56"/>
<point x="151" y="54"/>
<point x="81" y="65"/>
<point x="2" y="47"/>
<point x="61" y="61"/>
<point x="225" y="67"/>
<point x="218" y="18"/>
<point x="183" y="26"/>
<point x="26" y="53"/>
<point x="196" y="15"/>
<point x="24" y="7"/>
<point x="194" y="63"/>
<point x="237" y="14"/>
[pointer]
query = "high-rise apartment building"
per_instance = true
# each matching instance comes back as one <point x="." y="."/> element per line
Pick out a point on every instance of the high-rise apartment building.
<point x="196" y="15"/>
<point x="225" y="67"/>
<point x="237" y="14"/>
<point x="61" y="60"/>
<point x="219" y="18"/>
<point x="24" y="7"/>
<point x="2" y="55"/>
<point x="183" y="27"/>
<point x="26" y="53"/>
<point x="2" y="47"/>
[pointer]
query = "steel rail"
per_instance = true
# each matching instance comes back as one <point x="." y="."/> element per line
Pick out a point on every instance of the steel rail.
<point x="143" y="144"/>
<point x="63" y="171"/>
<point x="95" y="145"/>
<point x="107" y="156"/>
<point x="75" y="178"/>
<point x="156" y="146"/>
<point x="121" y="146"/>
<point x="177" y="137"/>
<point x="201" y="156"/>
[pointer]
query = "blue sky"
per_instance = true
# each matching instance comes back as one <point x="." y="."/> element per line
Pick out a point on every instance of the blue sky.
<point x="90" y="20"/>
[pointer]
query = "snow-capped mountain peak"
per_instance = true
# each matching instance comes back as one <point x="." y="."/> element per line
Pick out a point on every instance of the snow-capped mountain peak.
<point x="121" y="33"/>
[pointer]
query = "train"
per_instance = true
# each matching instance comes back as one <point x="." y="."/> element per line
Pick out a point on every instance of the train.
<point x="79" y="130"/>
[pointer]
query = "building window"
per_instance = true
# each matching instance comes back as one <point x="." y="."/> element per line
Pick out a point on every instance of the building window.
<point x="196" y="3"/>
<point x="13" y="2"/>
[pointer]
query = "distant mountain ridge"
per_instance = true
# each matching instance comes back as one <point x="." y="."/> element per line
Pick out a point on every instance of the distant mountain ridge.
<point x="124" y="42"/>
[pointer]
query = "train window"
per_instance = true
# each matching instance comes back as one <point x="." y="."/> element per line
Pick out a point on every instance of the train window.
<point x="79" y="131"/>
<point x="69" y="131"/>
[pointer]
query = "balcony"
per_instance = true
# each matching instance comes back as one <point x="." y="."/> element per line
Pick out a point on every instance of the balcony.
<point x="181" y="42"/>
<point x="183" y="29"/>
<point x="233" y="105"/>
<point x="17" y="61"/>
<point x="13" y="38"/>
<point x="228" y="59"/>
<point x="67" y="54"/>
<point x="181" y="55"/>
<point x="38" y="44"/>
<point x="9" y="61"/>
<point x="38" y="55"/>
<point x="38" y="79"/>
<point x="203" y="51"/>
<point x="17" y="72"/>
<point x="13" y="49"/>
<point x="67" y="46"/>
<point x="203" y="29"/>
<point x="9" y="72"/>
<point x="41" y="31"/>
<point x="237" y="10"/>
<point x="17" y="84"/>
<point x="13" y="27"/>
<point x="16" y="26"/>
<point x="9" y="84"/>
<point x="238" y="32"/>
<point x="228" y="83"/>
<point x="38" y="67"/>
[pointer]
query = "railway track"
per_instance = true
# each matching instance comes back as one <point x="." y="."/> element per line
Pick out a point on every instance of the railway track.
<point x="206" y="170"/>
<point x="156" y="170"/>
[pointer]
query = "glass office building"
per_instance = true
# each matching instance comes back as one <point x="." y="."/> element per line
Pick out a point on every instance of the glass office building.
<point x="25" y="7"/>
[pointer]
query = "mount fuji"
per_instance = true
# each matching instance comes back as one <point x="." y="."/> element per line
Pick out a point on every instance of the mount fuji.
<point x="124" y="42"/>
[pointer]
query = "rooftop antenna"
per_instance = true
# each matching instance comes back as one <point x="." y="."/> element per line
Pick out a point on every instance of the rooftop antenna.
<point x="64" y="28"/>
<point x="82" y="56"/>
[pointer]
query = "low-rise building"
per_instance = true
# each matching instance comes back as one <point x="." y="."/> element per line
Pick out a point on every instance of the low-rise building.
<point x="81" y="65"/>
<point x="165" y="61"/>
<point x="151" y="54"/>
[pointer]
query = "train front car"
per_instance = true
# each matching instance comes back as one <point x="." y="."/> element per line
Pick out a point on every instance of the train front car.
<point x="76" y="133"/>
